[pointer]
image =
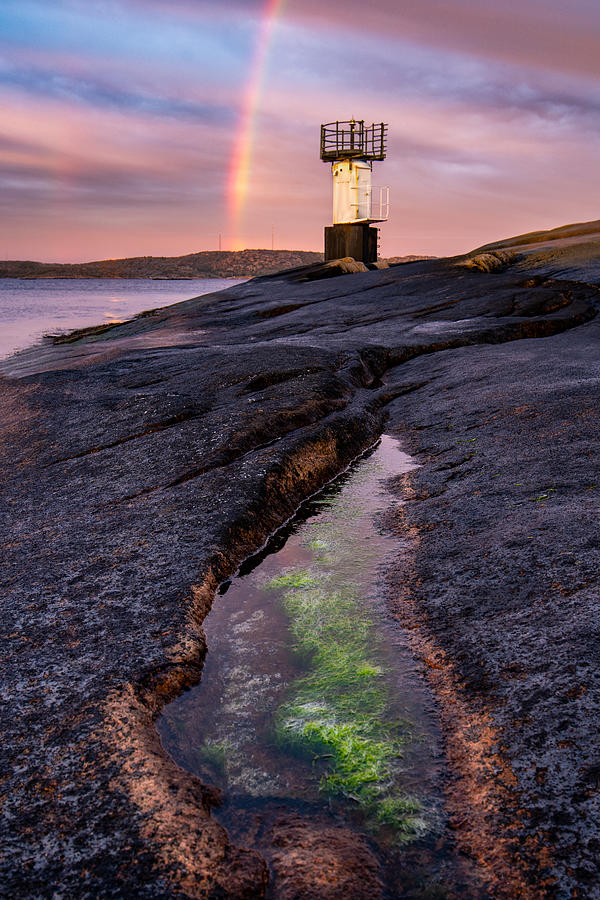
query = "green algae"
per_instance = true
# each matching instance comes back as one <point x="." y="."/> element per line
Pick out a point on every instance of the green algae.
<point x="305" y="693"/>
<point x="214" y="754"/>
<point x="296" y="579"/>
<point x="338" y="713"/>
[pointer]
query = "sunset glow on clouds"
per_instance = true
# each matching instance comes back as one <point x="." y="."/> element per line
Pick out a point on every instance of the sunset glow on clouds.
<point x="135" y="127"/>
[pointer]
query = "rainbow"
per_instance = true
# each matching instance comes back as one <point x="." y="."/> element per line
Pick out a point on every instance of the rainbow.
<point x="241" y="159"/>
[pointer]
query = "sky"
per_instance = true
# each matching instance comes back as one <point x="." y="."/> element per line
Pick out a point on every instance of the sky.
<point x="152" y="127"/>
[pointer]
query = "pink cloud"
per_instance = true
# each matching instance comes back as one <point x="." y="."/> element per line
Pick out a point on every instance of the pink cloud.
<point x="547" y="33"/>
<point x="492" y="112"/>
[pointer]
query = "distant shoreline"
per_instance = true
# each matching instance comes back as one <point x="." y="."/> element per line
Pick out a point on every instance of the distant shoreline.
<point x="288" y="259"/>
<point x="117" y="277"/>
<point x="205" y="264"/>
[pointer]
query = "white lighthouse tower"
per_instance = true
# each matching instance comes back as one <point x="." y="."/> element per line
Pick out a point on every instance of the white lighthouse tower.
<point x="351" y="148"/>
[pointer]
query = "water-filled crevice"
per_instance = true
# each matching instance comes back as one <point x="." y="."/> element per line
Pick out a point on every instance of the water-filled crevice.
<point x="312" y="716"/>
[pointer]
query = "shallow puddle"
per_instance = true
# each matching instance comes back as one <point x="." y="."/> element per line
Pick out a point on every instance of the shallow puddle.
<point x="312" y="716"/>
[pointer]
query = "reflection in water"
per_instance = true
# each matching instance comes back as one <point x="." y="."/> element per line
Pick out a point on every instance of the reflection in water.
<point x="112" y="317"/>
<point x="310" y="699"/>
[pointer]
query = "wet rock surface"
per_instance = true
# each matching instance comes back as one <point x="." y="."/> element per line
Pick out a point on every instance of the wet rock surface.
<point x="140" y="466"/>
<point x="506" y="598"/>
<point x="310" y="856"/>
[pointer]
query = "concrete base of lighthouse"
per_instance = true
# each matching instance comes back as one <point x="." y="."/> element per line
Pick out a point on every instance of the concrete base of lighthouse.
<point x="358" y="241"/>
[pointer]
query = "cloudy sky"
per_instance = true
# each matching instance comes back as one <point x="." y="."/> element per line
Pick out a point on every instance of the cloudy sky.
<point x="148" y="127"/>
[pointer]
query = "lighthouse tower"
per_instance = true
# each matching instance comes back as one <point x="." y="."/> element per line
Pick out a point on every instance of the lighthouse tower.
<point x="351" y="147"/>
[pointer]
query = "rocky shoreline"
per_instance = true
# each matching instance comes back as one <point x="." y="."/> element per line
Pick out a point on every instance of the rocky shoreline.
<point x="142" y="465"/>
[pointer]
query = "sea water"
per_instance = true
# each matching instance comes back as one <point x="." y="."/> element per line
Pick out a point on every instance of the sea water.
<point x="31" y="308"/>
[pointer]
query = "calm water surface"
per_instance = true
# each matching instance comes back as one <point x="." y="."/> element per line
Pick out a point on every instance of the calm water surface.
<point x="30" y="309"/>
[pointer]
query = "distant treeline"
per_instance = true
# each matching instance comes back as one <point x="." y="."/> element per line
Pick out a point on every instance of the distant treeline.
<point x="207" y="264"/>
